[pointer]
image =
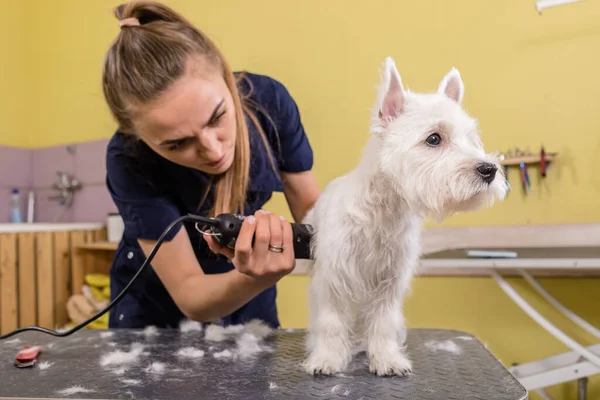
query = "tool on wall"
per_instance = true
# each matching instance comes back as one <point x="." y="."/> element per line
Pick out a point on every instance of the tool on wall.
<point x="526" y="160"/>
<point x="543" y="162"/>
<point x="525" y="178"/>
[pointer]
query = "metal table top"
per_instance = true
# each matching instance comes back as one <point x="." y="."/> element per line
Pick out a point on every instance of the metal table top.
<point x="447" y="365"/>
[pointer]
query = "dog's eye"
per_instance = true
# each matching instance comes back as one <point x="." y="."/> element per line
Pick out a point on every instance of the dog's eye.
<point x="433" y="140"/>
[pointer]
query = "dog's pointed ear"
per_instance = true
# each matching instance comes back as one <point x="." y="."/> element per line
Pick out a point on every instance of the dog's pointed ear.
<point x="392" y="92"/>
<point x="452" y="86"/>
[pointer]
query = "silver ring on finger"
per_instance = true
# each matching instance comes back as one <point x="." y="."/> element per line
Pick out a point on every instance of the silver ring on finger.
<point x="276" y="249"/>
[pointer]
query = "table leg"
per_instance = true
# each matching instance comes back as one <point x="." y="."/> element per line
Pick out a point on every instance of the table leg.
<point x="582" y="389"/>
<point x="543" y="322"/>
<point x="542" y="393"/>
<point x="583" y="324"/>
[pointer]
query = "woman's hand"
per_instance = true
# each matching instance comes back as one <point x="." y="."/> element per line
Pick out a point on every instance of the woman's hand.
<point x="272" y="255"/>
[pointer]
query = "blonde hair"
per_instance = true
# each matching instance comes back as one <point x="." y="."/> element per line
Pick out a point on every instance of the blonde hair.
<point x="150" y="54"/>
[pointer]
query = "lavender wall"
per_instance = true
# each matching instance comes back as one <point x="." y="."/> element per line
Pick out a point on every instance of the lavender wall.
<point x="15" y="171"/>
<point x="36" y="170"/>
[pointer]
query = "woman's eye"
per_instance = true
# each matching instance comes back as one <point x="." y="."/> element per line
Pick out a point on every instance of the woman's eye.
<point x="434" y="139"/>
<point x="179" y="145"/>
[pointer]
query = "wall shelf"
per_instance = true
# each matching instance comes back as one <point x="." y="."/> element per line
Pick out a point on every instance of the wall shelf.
<point x="528" y="159"/>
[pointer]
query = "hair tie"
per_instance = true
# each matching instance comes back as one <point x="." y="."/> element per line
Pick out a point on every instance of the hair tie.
<point x="129" y="22"/>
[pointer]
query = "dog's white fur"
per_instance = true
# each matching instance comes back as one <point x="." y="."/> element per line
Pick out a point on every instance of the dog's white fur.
<point x="368" y="223"/>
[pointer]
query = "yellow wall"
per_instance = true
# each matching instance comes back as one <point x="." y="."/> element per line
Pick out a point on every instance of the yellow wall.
<point x="12" y="74"/>
<point x="529" y="80"/>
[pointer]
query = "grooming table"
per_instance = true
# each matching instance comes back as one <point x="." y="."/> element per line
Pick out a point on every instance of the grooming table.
<point x="577" y="364"/>
<point x="438" y="374"/>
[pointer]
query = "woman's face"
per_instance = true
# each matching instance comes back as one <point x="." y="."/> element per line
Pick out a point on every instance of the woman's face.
<point x="192" y="123"/>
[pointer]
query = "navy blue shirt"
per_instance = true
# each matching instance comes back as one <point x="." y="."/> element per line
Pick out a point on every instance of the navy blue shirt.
<point x="150" y="192"/>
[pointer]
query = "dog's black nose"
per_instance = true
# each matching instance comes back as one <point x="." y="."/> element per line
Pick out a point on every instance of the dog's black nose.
<point x="487" y="172"/>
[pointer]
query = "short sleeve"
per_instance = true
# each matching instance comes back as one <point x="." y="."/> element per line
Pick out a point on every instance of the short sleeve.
<point x="296" y="153"/>
<point x="146" y="211"/>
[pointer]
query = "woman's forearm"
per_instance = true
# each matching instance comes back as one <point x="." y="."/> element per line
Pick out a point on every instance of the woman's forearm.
<point x="210" y="297"/>
<point x="207" y="297"/>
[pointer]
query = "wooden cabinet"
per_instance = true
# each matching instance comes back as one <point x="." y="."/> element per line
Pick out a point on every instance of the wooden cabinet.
<point x="41" y="266"/>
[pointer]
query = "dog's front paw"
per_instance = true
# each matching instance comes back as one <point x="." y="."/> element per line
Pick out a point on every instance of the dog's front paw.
<point x="325" y="363"/>
<point x="394" y="363"/>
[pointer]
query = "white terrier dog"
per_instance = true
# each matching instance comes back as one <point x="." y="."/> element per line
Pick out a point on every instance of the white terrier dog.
<point x="423" y="158"/>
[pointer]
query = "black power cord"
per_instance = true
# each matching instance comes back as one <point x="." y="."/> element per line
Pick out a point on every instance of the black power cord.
<point x="189" y="217"/>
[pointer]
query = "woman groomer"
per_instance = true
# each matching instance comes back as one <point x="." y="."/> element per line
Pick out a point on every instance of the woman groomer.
<point x="193" y="137"/>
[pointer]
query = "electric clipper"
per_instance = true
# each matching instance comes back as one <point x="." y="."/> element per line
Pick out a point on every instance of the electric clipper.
<point x="225" y="228"/>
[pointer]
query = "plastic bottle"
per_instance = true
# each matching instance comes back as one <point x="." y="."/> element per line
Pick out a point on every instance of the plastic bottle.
<point x="30" y="206"/>
<point x="16" y="215"/>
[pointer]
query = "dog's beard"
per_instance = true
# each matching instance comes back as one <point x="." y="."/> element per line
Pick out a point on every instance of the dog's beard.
<point x="475" y="197"/>
<point x="464" y="191"/>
